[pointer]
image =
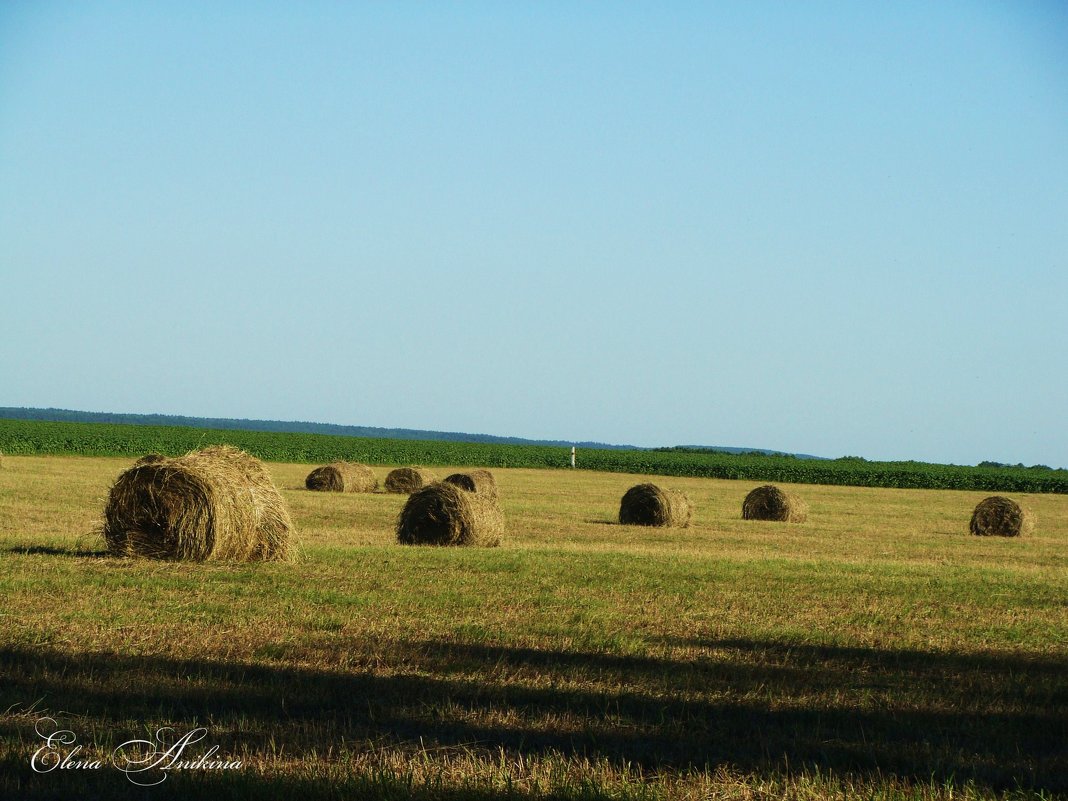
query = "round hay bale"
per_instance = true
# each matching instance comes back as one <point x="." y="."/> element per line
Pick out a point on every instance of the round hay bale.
<point x="342" y="477"/>
<point x="1001" y="517"/>
<point x="480" y="481"/>
<point x="444" y="514"/>
<point x="408" y="479"/>
<point x="218" y="503"/>
<point x="151" y="458"/>
<point x="771" y="503"/>
<point x="650" y="505"/>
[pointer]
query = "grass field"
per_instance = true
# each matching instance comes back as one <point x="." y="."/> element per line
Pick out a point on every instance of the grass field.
<point x="876" y="651"/>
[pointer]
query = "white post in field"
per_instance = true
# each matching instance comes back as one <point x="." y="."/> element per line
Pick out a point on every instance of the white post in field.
<point x="572" y="455"/>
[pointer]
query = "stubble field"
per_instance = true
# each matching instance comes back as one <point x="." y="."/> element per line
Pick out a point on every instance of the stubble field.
<point x="876" y="650"/>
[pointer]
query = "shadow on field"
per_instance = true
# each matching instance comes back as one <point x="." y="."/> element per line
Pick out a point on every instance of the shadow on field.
<point x="999" y="721"/>
<point x="17" y="780"/>
<point x="45" y="550"/>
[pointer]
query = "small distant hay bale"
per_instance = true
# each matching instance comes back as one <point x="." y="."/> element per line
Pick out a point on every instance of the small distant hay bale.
<point x="409" y="479"/>
<point x="445" y="514"/>
<point x="480" y="481"/>
<point x="771" y="503"/>
<point x="342" y="477"/>
<point x="214" y="504"/>
<point x="650" y="505"/>
<point x="151" y="458"/>
<point x="1001" y="517"/>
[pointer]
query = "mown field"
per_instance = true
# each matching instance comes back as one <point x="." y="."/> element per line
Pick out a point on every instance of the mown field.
<point x="876" y="651"/>
<point x="31" y="437"/>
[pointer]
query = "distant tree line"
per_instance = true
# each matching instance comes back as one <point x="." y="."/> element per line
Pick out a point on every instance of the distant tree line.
<point x="280" y="427"/>
<point x="1018" y="465"/>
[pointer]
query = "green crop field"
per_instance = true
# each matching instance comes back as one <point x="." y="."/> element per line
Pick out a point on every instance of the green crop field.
<point x="103" y="439"/>
<point x="876" y="651"/>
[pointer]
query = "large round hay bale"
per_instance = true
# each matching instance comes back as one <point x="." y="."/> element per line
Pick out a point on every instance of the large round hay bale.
<point x="342" y="477"/>
<point x="771" y="503"/>
<point x="218" y="503"/>
<point x="1001" y="517"/>
<point x="444" y="514"/>
<point x="650" y="505"/>
<point x="409" y="479"/>
<point x="480" y="481"/>
<point x="151" y="458"/>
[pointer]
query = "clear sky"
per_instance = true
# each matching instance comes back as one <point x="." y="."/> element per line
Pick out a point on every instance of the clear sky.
<point x="830" y="228"/>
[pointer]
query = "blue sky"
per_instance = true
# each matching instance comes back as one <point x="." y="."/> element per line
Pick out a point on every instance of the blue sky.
<point x="832" y="228"/>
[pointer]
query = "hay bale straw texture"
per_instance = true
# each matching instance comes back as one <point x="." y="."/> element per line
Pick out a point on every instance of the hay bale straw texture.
<point x="151" y="458"/>
<point x="650" y="505"/>
<point x="480" y="481"/>
<point x="771" y="503"/>
<point x="445" y="514"/>
<point x="409" y="479"/>
<point x="214" y="504"/>
<point x="342" y="477"/>
<point x="1001" y="517"/>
